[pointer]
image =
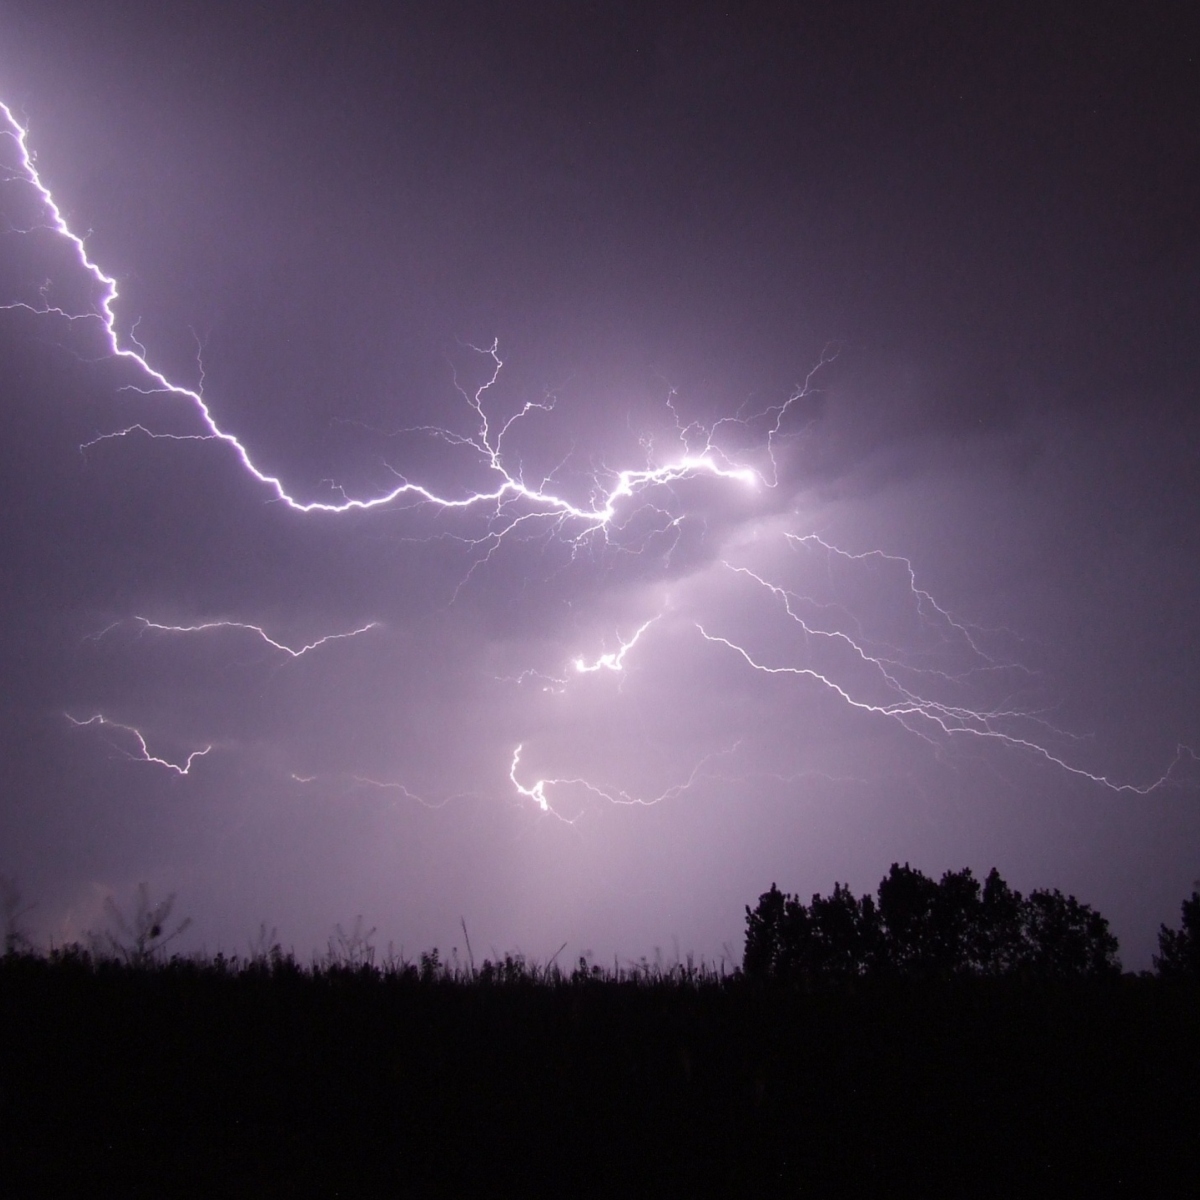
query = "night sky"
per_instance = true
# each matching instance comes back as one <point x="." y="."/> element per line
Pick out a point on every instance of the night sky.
<point x="889" y="314"/>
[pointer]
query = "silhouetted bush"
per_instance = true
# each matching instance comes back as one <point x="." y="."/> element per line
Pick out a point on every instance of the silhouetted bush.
<point x="142" y="937"/>
<point x="923" y="929"/>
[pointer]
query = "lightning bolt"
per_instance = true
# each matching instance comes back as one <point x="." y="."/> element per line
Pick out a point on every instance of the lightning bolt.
<point x="407" y="793"/>
<point x="539" y="503"/>
<point x="511" y="505"/>
<point x="920" y="714"/>
<point x="613" y="661"/>
<point x="537" y="791"/>
<point x="878" y="682"/>
<point x="610" y="661"/>
<point x="912" y="712"/>
<point x="925" y="603"/>
<point x="291" y="651"/>
<point x="143" y="754"/>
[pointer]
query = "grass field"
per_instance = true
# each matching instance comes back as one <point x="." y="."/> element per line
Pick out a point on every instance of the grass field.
<point x="225" y="1078"/>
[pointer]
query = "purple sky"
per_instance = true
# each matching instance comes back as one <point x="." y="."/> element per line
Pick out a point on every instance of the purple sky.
<point x="967" y="552"/>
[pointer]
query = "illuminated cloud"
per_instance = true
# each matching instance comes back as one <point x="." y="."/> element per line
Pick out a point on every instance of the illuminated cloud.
<point x="808" y="554"/>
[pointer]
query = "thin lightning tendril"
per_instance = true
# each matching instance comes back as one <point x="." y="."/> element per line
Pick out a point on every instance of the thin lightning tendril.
<point x="144" y="754"/>
<point x="293" y="652"/>
<point x="923" y="716"/>
<point x="911" y="711"/>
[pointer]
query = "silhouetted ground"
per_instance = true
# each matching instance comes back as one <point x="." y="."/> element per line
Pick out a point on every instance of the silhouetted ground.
<point x="202" y="1080"/>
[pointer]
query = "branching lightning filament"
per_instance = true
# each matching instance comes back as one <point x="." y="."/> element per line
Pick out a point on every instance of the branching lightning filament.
<point x="507" y="505"/>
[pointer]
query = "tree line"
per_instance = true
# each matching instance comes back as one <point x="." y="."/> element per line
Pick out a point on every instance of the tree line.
<point x="914" y="927"/>
<point x="919" y="928"/>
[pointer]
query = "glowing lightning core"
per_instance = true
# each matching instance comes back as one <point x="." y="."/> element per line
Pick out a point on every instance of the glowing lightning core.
<point x="537" y="790"/>
<point x="613" y="661"/>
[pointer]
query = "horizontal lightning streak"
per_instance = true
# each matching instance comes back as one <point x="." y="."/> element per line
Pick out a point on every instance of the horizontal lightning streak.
<point x="144" y="755"/>
<point x="207" y="626"/>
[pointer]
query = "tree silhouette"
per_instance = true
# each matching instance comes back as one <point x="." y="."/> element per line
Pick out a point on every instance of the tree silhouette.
<point x="924" y="929"/>
<point x="1065" y="939"/>
<point x="16" y="940"/>
<point x="771" y="942"/>
<point x="928" y="927"/>
<point x="836" y="937"/>
<point x="845" y="934"/>
<point x="997" y="941"/>
<point x="1178" y="954"/>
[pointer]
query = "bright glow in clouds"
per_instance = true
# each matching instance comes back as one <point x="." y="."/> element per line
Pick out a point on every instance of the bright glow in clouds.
<point x="615" y="661"/>
<point x="929" y="688"/>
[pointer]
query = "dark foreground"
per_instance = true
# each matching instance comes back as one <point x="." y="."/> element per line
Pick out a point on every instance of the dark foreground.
<point x="191" y="1080"/>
